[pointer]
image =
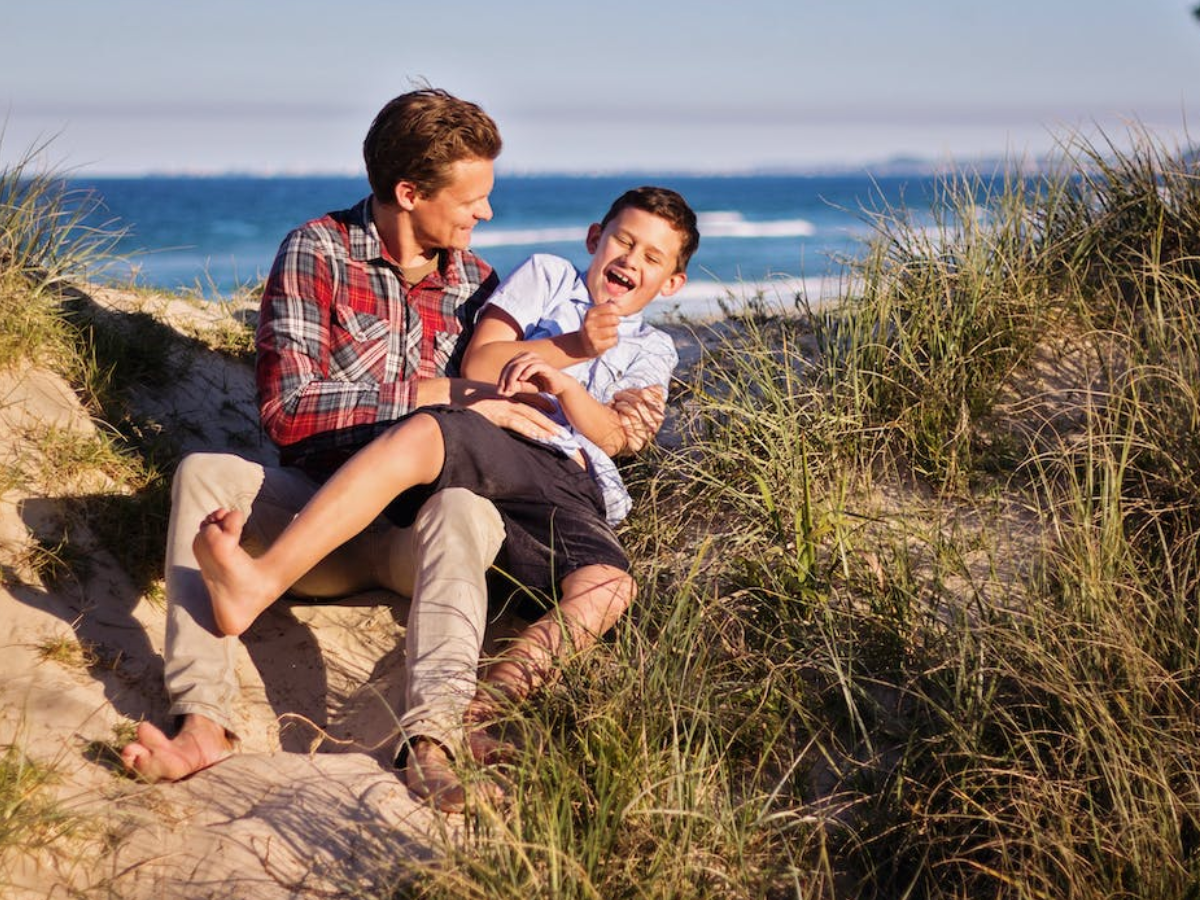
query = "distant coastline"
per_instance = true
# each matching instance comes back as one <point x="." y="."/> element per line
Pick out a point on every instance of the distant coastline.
<point x="907" y="165"/>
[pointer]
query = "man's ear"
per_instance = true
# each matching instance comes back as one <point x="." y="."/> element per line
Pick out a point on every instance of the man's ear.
<point x="593" y="237"/>
<point x="673" y="284"/>
<point x="406" y="195"/>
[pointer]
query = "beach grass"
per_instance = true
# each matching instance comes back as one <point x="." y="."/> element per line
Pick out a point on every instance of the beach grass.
<point x="919" y="594"/>
<point x="47" y="249"/>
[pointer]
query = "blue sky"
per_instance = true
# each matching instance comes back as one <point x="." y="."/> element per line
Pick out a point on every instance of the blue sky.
<point x="130" y="86"/>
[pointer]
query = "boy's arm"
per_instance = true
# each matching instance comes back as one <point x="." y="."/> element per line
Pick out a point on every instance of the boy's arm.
<point x="528" y="373"/>
<point x="639" y="396"/>
<point x="497" y="339"/>
<point x="641" y="412"/>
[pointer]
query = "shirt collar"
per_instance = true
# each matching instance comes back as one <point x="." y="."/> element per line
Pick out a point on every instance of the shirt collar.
<point x="367" y="246"/>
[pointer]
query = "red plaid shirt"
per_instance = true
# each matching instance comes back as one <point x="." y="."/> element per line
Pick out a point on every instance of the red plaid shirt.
<point x="342" y="339"/>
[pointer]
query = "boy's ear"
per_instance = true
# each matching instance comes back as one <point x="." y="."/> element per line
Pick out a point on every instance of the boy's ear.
<point x="593" y="237"/>
<point x="673" y="284"/>
<point x="406" y="195"/>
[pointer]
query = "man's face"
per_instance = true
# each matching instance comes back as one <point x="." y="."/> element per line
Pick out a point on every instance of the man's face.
<point x="633" y="260"/>
<point x="445" y="219"/>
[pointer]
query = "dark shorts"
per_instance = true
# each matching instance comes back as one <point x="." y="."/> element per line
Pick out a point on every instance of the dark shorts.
<point x="553" y="511"/>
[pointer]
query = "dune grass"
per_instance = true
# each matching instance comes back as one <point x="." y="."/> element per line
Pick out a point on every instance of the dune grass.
<point x="918" y="613"/>
<point x="46" y="250"/>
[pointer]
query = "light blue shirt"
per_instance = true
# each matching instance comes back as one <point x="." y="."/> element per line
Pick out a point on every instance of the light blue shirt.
<point x="546" y="297"/>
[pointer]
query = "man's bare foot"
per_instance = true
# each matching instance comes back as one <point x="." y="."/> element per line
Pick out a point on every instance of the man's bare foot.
<point x="236" y="588"/>
<point x="153" y="756"/>
<point x="430" y="773"/>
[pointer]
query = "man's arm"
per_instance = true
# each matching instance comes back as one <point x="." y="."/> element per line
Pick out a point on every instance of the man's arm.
<point x="639" y="398"/>
<point x="300" y="394"/>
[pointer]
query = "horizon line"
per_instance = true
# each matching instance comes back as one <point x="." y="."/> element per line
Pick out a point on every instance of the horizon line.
<point x="899" y="163"/>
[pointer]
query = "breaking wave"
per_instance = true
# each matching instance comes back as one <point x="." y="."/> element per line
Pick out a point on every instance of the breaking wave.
<point x="721" y="224"/>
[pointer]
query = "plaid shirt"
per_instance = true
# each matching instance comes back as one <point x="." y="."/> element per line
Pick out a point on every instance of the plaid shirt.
<point x="342" y="340"/>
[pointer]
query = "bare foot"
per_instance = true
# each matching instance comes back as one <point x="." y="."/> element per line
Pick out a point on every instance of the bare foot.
<point x="430" y="775"/>
<point x="235" y="587"/>
<point x="153" y="756"/>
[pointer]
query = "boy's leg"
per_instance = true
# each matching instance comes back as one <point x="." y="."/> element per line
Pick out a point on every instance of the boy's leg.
<point x="593" y="599"/>
<point x="241" y="586"/>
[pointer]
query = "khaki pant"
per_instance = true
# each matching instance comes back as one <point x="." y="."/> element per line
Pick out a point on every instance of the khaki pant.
<point x="440" y="562"/>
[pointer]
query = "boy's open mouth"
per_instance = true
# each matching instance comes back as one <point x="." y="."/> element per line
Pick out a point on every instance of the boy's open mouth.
<point x="619" y="280"/>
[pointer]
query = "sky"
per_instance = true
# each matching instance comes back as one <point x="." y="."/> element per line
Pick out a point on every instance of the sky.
<point x="138" y="86"/>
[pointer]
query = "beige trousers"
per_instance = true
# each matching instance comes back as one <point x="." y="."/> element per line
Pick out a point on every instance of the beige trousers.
<point x="440" y="562"/>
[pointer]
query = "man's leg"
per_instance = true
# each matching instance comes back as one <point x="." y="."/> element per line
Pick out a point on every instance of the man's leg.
<point x="453" y="541"/>
<point x="199" y="664"/>
<point x="456" y="536"/>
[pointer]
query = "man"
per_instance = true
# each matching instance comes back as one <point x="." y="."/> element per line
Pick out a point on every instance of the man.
<point x="364" y="317"/>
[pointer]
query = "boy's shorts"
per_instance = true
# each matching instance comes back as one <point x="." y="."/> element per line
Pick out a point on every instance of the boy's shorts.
<point x="553" y="511"/>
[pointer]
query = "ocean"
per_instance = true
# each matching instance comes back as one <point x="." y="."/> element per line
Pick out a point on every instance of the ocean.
<point x="779" y="233"/>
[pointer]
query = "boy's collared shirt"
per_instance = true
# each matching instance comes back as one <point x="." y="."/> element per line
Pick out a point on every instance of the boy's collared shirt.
<point x="342" y="339"/>
<point x="546" y="296"/>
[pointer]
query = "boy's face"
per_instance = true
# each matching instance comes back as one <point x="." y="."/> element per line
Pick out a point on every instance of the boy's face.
<point x="634" y="258"/>
<point x="446" y="219"/>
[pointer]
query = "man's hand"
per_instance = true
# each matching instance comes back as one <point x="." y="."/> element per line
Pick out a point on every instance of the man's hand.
<point x="641" y="411"/>
<point x="503" y="412"/>
<point x="599" y="330"/>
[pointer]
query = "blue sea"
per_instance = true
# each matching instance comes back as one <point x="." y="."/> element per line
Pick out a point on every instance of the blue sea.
<point x="214" y="234"/>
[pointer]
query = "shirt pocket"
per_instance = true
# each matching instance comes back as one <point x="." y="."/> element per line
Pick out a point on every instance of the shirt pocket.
<point x="361" y="326"/>
<point x="358" y="345"/>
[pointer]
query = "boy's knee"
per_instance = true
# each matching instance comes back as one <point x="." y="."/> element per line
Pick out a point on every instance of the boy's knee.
<point x="419" y="428"/>
<point x="611" y="588"/>
<point x="624" y="594"/>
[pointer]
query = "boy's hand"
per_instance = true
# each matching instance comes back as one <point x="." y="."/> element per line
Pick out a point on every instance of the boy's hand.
<point x="599" y="330"/>
<point x="528" y="373"/>
<point x="641" y="411"/>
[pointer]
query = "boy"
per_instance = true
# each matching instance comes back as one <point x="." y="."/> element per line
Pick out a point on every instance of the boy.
<point x="544" y="331"/>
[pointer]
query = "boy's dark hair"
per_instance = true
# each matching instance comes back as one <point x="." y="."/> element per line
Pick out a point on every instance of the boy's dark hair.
<point x="666" y="204"/>
<point x="418" y="136"/>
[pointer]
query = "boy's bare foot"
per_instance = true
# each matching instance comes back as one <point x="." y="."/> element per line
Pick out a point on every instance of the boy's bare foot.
<point x="153" y="756"/>
<point x="488" y="749"/>
<point x="236" y="589"/>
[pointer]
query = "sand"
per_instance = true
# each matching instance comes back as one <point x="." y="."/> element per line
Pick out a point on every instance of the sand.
<point x="310" y="806"/>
